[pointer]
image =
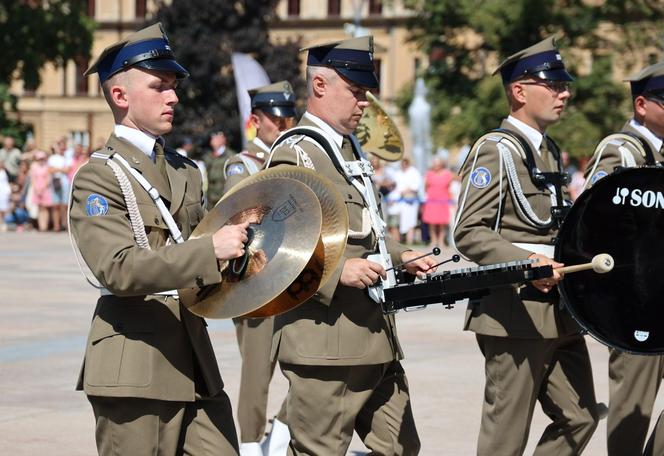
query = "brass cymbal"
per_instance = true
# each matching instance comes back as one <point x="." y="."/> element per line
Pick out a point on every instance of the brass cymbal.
<point x="334" y="230"/>
<point x="377" y="133"/>
<point x="285" y="222"/>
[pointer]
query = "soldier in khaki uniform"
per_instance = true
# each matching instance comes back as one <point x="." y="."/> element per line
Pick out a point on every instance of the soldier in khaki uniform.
<point x="215" y="165"/>
<point x="634" y="379"/>
<point x="272" y="112"/>
<point x="150" y="372"/>
<point x="338" y="350"/>
<point x="533" y="349"/>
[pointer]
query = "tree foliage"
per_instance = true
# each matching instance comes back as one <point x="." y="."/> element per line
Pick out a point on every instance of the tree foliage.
<point x="34" y="33"/>
<point x="466" y="39"/>
<point x="204" y="33"/>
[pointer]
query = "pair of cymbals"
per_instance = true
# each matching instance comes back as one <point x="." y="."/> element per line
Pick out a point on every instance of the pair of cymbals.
<point x="377" y="133"/>
<point x="298" y="227"/>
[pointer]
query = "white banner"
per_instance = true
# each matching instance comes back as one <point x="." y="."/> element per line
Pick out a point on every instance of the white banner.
<point x="248" y="74"/>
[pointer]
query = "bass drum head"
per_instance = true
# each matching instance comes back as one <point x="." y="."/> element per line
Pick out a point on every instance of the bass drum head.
<point x="622" y="215"/>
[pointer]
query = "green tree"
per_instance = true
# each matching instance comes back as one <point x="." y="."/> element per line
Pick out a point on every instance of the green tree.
<point x="466" y="39"/>
<point x="204" y="33"/>
<point x="34" y="33"/>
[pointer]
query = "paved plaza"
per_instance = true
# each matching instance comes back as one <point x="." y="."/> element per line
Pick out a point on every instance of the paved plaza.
<point x="45" y="310"/>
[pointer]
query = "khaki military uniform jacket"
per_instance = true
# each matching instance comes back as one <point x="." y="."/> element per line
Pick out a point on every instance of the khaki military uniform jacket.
<point x="236" y="170"/>
<point x="604" y="161"/>
<point x="142" y="345"/>
<point x="340" y="325"/>
<point x="514" y="311"/>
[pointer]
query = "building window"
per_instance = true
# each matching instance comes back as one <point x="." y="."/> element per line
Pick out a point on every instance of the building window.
<point x="91" y="7"/>
<point x="80" y="137"/>
<point x="140" y="8"/>
<point x="333" y="7"/>
<point x="81" y="80"/>
<point x="375" y="7"/>
<point x="293" y="7"/>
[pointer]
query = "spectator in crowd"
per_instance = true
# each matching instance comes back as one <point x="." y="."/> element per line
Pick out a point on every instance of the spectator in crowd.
<point x="29" y="147"/>
<point x="59" y="167"/>
<point x="78" y="159"/>
<point x="186" y="147"/>
<point x="11" y="156"/>
<point x="214" y="164"/>
<point x="436" y="212"/>
<point x="17" y="216"/>
<point x="5" y="195"/>
<point x="40" y="183"/>
<point x="404" y="199"/>
<point x="578" y="180"/>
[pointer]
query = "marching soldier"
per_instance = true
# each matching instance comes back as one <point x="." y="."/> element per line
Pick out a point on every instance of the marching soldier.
<point x="149" y="372"/>
<point x="272" y="112"/>
<point x="338" y="350"/>
<point x="533" y="349"/>
<point x="634" y="379"/>
<point x="215" y="165"/>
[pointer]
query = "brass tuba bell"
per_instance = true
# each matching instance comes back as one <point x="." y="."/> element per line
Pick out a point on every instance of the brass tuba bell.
<point x="377" y="133"/>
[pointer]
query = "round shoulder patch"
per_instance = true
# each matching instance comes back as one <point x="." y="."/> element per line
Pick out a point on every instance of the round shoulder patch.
<point x="96" y="205"/>
<point x="235" y="168"/>
<point x="597" y="176"/>
<point x="480" y="177"/>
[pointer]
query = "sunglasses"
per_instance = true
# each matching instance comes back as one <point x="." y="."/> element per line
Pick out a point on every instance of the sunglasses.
<point x="553" y="86"/>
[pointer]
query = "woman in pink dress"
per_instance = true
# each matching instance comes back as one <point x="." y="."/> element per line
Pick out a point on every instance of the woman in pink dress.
<point x="40" y="181"/>
<point x="436" y="212"/>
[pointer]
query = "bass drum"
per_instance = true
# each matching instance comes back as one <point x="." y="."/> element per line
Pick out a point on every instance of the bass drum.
<point x="622" y="215"/>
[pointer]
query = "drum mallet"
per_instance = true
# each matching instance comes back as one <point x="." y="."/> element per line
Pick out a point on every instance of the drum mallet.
<point x="600" y="263"/>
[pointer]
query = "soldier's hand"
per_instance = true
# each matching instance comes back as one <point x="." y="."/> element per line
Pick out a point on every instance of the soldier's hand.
<point x="419" y="267"/>
<point x="361" y="273"/>
<point x="229" y="241"/>
<point x="545" y="285"/>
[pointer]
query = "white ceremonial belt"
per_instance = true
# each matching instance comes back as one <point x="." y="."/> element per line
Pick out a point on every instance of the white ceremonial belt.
<point x="174" y="293"/>
<point x="543" y="249"/>
<point x="358" y="168"/>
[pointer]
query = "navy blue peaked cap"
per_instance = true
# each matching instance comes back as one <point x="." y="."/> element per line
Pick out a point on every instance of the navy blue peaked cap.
<point x="277" y="99"/>
<point x="351" y="58"/>
<point x="541" y="60"/>
<point x="147" y="48"/>
<point x="649" y="81"/>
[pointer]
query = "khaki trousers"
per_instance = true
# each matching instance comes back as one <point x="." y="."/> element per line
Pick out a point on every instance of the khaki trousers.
<point x="254" y="337"/>
<point x="521" y="372"/>
<point x="633" y="384"/>
<point x="137" y="427"/>
<point x="325" y="404"/>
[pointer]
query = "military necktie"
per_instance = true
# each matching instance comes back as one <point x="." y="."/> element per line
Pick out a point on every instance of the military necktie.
<point x="545" y="153"/>
<point x="160" y="161"/>
<point x="347" y="149"/>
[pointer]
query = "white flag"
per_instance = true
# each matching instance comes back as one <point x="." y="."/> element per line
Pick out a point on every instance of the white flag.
<point x="248" y="74"/>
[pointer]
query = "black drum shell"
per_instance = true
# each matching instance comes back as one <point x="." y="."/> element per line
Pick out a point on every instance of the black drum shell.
<point x="622" y="215"/>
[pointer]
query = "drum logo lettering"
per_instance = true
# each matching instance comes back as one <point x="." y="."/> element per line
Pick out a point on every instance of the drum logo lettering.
<point x="641" y="336"/>
<point x="638" y="197"/>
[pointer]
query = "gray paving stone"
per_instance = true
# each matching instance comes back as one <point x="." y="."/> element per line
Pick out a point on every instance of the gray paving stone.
<point x="45" y="309"/>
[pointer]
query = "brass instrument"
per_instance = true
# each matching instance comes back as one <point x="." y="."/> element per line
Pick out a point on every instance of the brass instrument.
<point x="378" y="134"/>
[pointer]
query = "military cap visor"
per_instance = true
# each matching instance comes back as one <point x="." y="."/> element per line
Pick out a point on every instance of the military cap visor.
<point x="356" y="65"/>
